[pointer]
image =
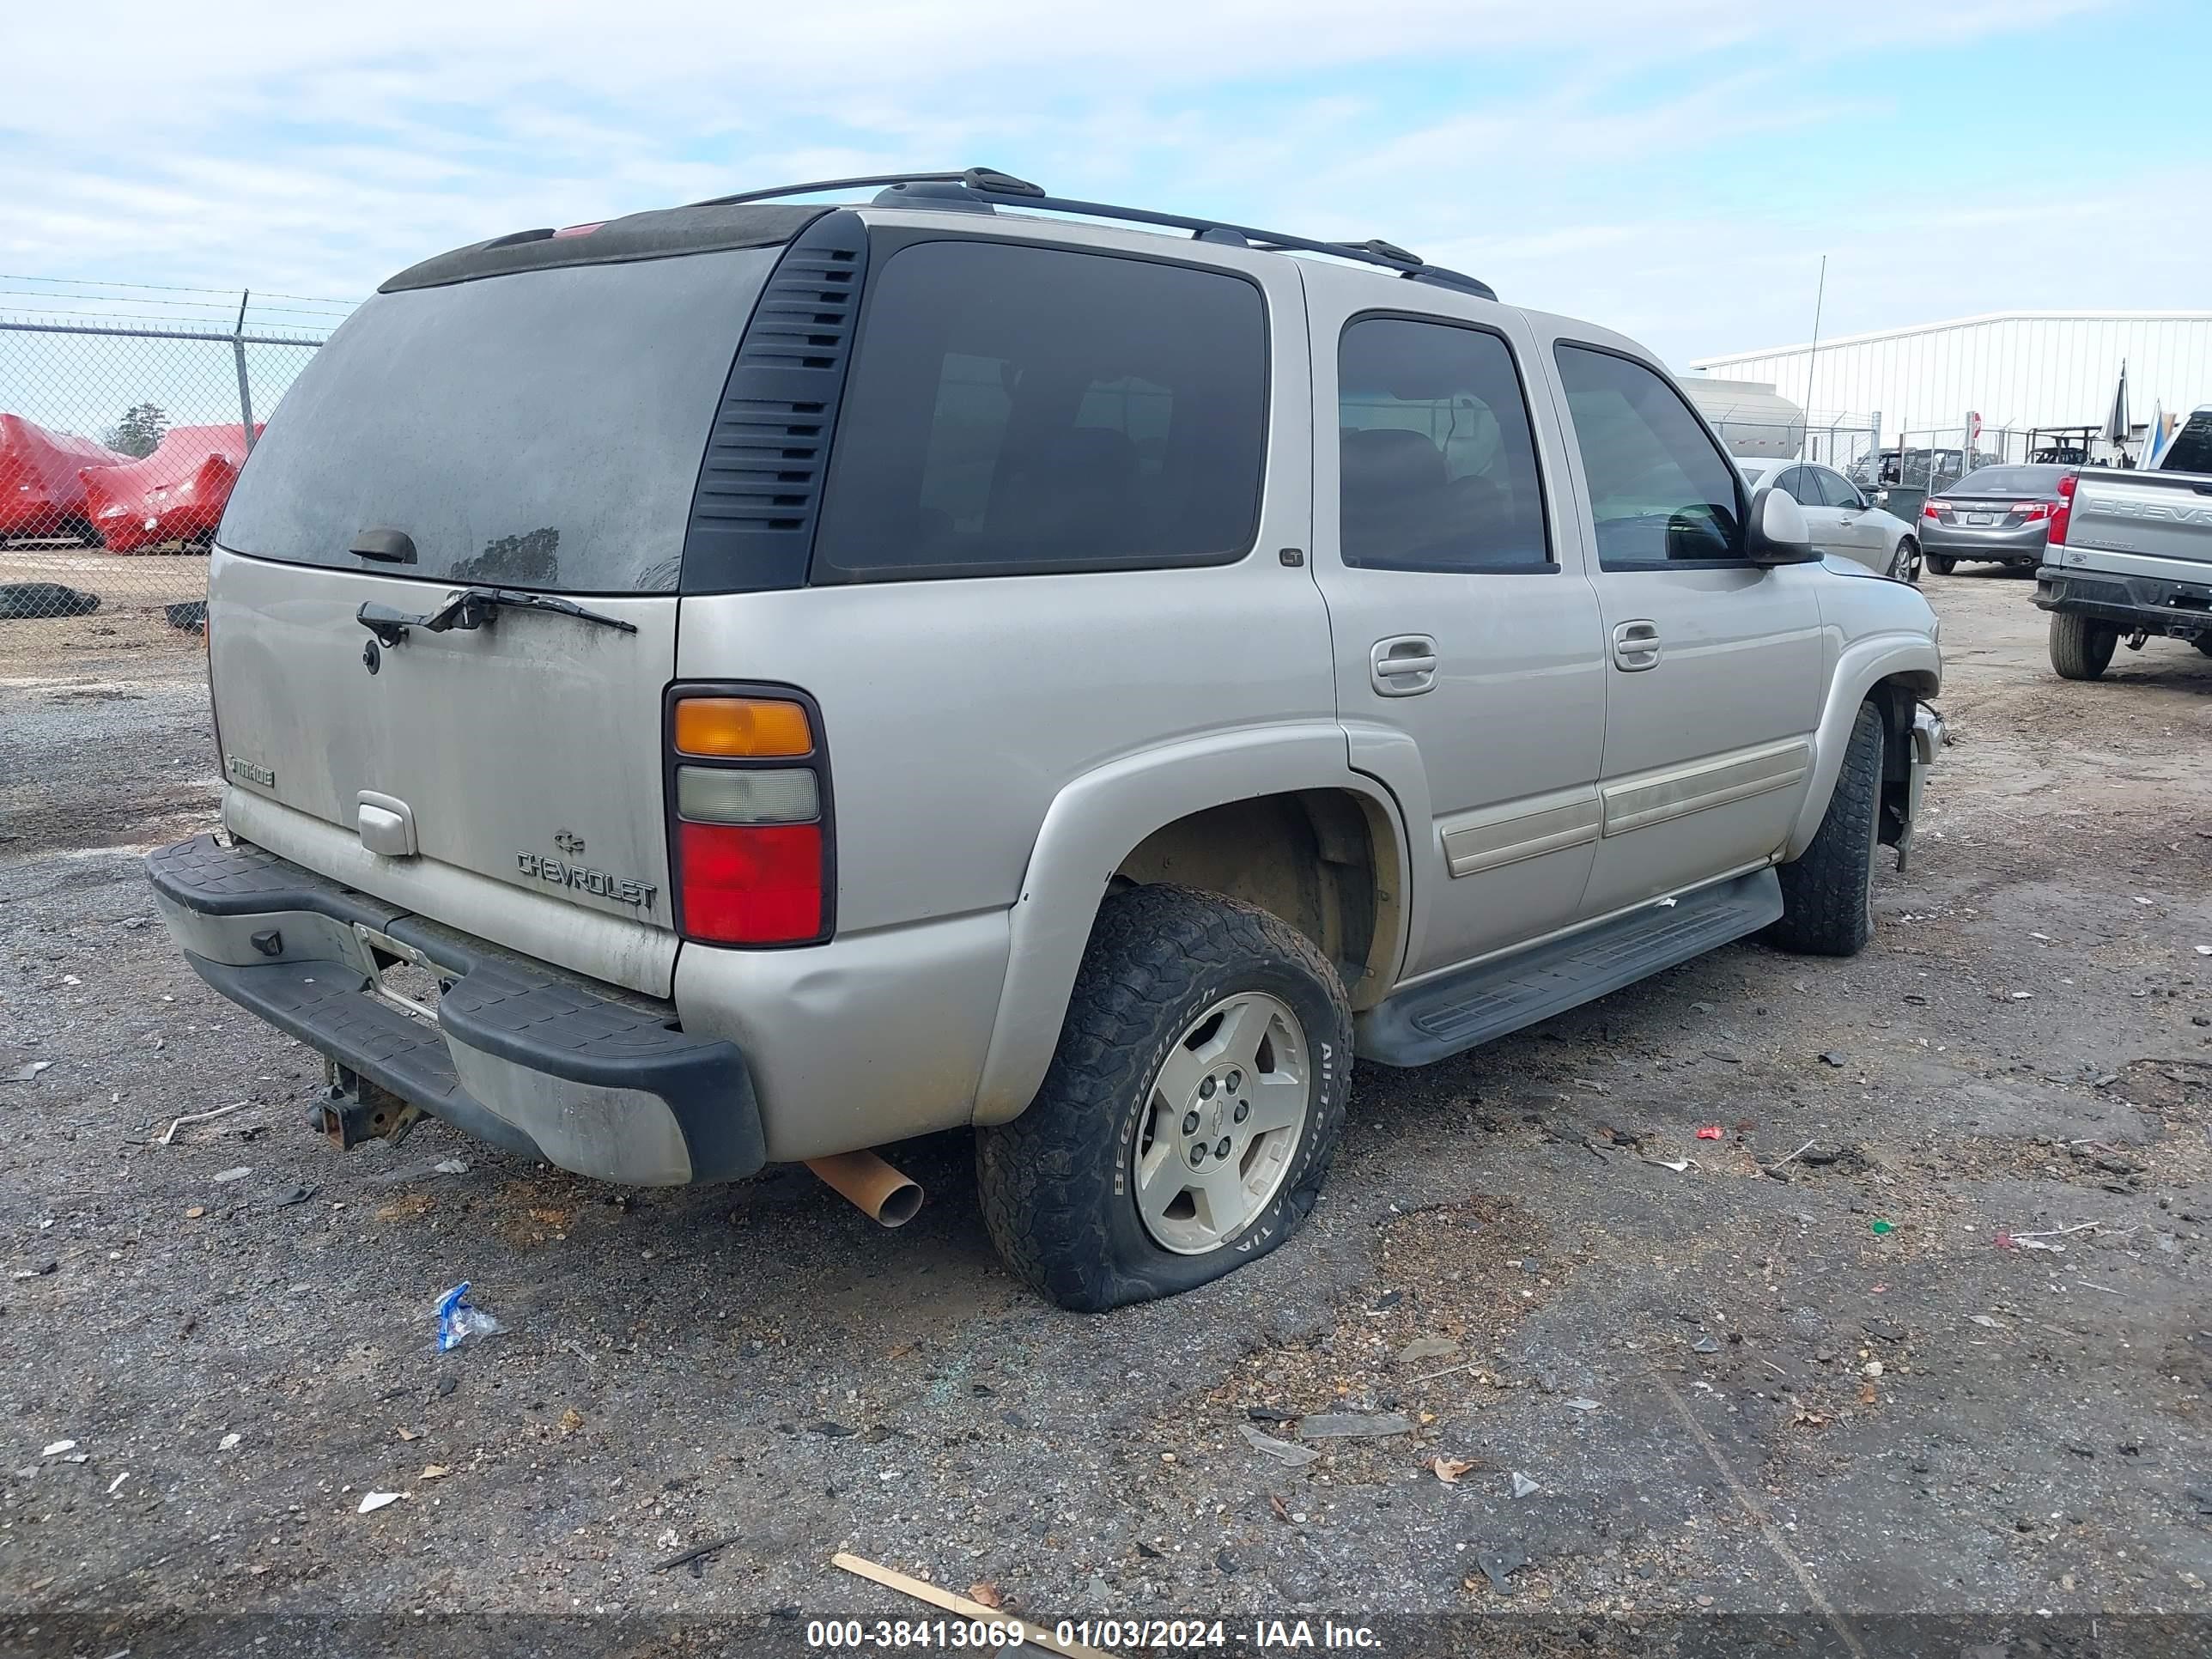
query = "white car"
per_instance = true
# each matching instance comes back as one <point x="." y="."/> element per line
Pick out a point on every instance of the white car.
<point x="1845" y="522"/>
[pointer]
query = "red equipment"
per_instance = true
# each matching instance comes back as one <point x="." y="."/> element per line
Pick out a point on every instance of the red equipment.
<point x="40" y="493"/>
<point x="175" y="494"/>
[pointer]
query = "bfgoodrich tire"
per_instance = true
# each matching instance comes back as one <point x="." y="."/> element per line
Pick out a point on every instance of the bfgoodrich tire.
<point x="2081" y="647"/>
<point x="1134" y="1174"/>
<point x="1827" y="894"/>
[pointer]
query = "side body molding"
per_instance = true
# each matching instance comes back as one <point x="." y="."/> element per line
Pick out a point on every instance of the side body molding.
<point x="1094" y="824"/>
<point x="1863" y="665"/>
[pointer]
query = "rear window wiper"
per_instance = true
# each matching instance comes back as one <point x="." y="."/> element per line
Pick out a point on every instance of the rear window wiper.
<point x="473" y="607"/>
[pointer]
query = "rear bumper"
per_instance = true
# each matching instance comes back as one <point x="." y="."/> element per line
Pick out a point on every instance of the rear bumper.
<point x="2023" y="546"/>
<point x="587" y="1076"/>
<point x="2147" y="604"/>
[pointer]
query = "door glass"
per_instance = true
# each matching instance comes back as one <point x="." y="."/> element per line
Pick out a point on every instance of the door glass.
<point x="1796" y="482"/>
<point x="1660" y="488"/>
<point x="1438" y="460"/>
<point x="1837" y="490"/>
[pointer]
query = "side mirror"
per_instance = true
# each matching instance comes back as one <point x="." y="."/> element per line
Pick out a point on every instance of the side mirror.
<point x="1882" y="498"/>
<point x="1778" y="534"/>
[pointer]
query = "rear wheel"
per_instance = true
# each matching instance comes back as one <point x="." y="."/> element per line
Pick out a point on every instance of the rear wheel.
<point x="2205" y="643"/>
<point x="1827" y="894"/>
<point x="1191" y="1110"/>
<point x="2081" y="647"/>
<point x="1904" y="563"/>
<point x="1941" y="563"/>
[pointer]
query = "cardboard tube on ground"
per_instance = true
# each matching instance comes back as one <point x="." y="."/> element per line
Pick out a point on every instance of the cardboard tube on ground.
<point x="881" y="1192"/>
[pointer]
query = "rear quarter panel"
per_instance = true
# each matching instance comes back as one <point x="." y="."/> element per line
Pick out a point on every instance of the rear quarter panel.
<point x="956" y="712"/>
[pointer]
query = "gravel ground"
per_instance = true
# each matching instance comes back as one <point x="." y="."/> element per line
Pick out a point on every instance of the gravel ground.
<point x="1832" y="1388"/>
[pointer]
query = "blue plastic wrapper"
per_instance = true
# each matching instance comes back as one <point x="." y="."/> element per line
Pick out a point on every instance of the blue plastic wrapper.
<point x="459" y="1319"/>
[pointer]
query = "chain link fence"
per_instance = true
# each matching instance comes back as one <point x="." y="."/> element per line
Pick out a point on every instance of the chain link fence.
<point x="1843" y="441"/>
<point x="125" y="413"/>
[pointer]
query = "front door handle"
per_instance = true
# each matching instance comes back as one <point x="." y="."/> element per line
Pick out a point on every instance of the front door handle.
<point x="1635" y="645"/>
<point x="1403" y="666"/>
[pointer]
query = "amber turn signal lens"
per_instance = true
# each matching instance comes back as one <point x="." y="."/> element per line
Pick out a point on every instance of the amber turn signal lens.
<point x="741" y="728"/>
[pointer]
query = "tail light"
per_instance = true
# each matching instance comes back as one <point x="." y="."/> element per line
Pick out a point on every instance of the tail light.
<point x="748" y="791"/>
<point x="1930" y="509"/>
<point x="2031" y="511"/>
<point x="2062" y="514"/>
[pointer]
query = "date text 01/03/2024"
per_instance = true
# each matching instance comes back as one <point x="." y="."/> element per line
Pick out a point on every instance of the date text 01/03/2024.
<point x="1139" y="1634"/>
<point x="1264" y="1634"/>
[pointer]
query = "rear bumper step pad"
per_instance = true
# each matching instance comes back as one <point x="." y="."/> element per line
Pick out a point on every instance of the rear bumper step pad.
<point x="590" y="1078"/>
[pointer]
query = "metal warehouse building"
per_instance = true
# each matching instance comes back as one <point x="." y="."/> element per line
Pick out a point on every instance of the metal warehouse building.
<point x="2017" y="369"/>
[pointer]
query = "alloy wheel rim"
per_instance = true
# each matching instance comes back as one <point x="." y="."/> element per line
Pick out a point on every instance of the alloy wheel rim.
<point x="1221" y="1118"/>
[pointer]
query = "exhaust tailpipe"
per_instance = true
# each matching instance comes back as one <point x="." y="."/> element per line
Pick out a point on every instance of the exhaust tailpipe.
<point x="880" y="1193"/>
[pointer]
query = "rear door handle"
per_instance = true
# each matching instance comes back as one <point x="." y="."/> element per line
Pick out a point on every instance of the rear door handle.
<point x="1635" y="645"/>
<point x="1403" y="666"/>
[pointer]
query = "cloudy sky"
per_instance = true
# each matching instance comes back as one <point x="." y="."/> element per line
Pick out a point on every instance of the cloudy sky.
<point x="1675" y="168"/>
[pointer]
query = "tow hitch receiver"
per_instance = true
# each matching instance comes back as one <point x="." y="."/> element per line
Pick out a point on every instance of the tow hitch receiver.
<point x="353" y="1109"/>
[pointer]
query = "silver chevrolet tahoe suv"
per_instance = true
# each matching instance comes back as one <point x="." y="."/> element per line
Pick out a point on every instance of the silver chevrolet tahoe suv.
<point x="761" y="680"/>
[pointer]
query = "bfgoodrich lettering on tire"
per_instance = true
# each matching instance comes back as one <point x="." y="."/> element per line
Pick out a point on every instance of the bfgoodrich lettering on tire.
<point x="1191" y="1110"/>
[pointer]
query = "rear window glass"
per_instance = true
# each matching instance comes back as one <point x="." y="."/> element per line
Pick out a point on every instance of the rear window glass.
<point x="2191" y="450"/>
<point x="2010" y="481"/>
<point x="1020" y="408"/>
<point x="542" y="430"/>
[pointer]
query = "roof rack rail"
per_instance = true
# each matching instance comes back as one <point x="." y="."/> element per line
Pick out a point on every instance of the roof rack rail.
<point x="990" y="178"/>
<point x="984" y="186"/>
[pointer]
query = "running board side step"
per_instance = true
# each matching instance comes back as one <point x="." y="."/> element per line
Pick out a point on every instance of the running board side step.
<point x="1450" y="1015"/>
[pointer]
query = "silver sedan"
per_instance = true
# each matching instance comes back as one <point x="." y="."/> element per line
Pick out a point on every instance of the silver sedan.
<point x="1844" y="521"/>
<point x="1999" y="513"/>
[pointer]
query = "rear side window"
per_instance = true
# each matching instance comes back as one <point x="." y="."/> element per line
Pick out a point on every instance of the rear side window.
<point x="1021" y="408"/>
<point x="1438" y="464"/>
<point x="1660" y="488"/>
<point x="538" y="430"/>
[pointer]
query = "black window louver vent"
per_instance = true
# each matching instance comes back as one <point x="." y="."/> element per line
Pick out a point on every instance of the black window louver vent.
<point x="760" y="481"/>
